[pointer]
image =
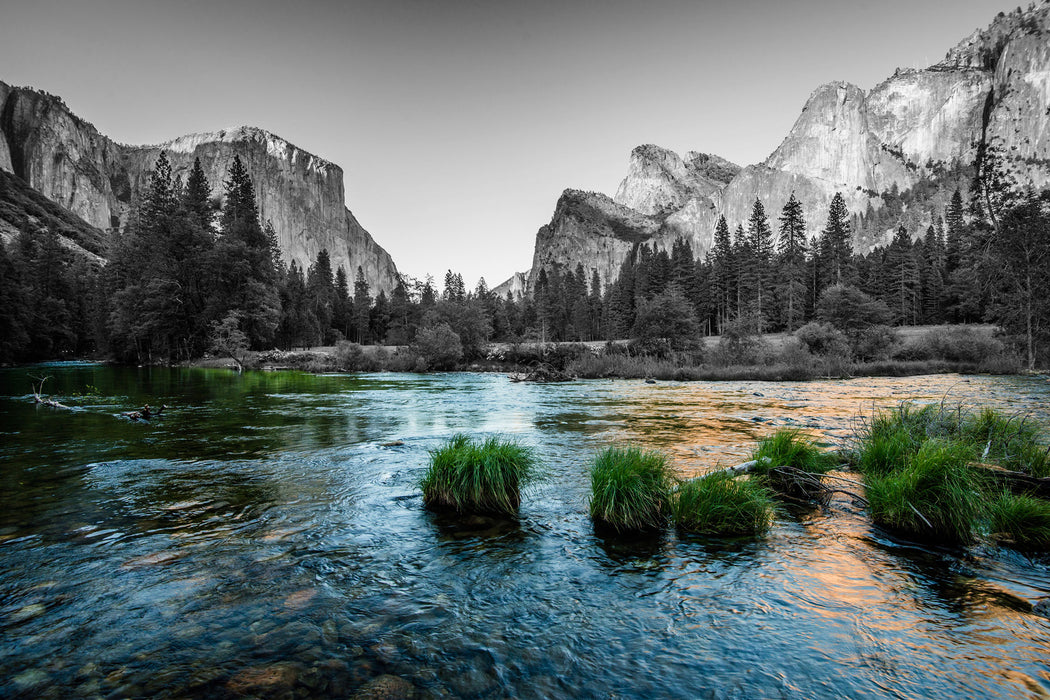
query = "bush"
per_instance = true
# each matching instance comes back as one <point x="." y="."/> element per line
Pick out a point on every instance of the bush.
<point x="349" y="356"/>
<point x="666" y="323"/>
<point x="741" y="343"/>
<point x="721" y="505"/>
<point x="630" y="489"/>
<point x="959" y="344"/>
<point x="874" y="343"/>
<point x="438" y="346"/>
<point x="823" y="339"/>
<point x="478" y="477"/>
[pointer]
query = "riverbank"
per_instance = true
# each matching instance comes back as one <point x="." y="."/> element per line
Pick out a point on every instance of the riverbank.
<point x="918" y="350"/>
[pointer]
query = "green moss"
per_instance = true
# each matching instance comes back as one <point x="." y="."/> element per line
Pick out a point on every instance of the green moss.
<point x="630" y="488"/>
<point x="721" y="505"/>
<point x="469" y="476"/>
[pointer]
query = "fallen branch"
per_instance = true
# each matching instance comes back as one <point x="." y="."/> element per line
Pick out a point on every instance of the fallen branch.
<point x="1018" y="482"/>
<point x="38" y="398"/>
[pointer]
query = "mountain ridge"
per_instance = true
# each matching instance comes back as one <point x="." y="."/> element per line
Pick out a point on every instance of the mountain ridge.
<point x="68" y="160"/>
<point x="990" y="89"/>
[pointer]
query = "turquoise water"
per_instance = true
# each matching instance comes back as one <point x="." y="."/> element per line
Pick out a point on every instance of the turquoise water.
<point x="257" y="539"/>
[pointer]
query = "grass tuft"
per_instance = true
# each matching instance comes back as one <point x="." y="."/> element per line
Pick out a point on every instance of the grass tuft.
<point x="722" y="505"/>
<point x="470" y="476"/>
<point x="934" y="494"/>
<point x="630" y="488"/>
<point x="1024" y="519"/>
<point x="791" y="448"/>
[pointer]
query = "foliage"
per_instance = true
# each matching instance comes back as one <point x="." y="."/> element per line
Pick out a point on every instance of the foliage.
<point x="721" y="505"/>
<point x="630" y="488"/>
<point x="438" y="346"/>
<point x="666" y="322"/>
<point x="823" y="339"/>
<point x="791" y="448"/>
<point x="934" y="493"/>
<point x="1023" y="519"/>
<point x="918" y="465"/>
<point x="959" y="344"/>
<point x="470" y="476"/>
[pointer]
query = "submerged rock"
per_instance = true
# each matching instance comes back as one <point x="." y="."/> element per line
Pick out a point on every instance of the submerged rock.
<point x="386" y="687"/>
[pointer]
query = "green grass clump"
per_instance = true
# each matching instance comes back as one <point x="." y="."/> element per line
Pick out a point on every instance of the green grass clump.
<point x="1009" y="441"/>
<point x="791" y="448"/>
<point x="1024" y="519"/>
<point x="469" y="476"/>
<point x="722" y="505"/>
<point x="630" y="488"/>
<point x="935" y="494"/>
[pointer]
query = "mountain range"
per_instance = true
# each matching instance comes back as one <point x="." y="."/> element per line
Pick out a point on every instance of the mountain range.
<point x="992" y="89"/>
<point x="69" y="161"/>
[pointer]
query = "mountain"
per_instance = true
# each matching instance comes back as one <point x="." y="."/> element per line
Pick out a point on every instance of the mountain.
<point x="69" y="161"/>
<point x="992" y="89"/>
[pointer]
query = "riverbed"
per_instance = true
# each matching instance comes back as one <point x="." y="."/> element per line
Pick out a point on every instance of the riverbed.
<point x="265" y="537"/>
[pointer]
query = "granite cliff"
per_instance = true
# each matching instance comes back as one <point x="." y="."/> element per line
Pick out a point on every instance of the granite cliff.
<point x="993" y="88"/>
<point x="69" y="161"/>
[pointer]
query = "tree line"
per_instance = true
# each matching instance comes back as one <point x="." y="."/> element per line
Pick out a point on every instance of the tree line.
<point x="185" y="270"/>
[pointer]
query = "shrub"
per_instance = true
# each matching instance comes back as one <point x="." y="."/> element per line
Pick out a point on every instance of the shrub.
<point x="630" y="488"/>
<point x="721" y="505"/>
<point x="438" y="346"/>
<point x="741" y="342"/>
<point x="478" y="477"/>
<point x="665" y="323"/>
<point x="348" y="356"/>
<point x="874" y="343"/>
<point x="823" y="339"/>
<point x="960" y="344"/>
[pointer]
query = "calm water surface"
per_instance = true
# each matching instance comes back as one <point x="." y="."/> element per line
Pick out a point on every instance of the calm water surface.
<point x="259" y="540"/>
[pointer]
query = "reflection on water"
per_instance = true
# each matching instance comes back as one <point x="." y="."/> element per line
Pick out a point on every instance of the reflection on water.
<point x="258" y="540"/>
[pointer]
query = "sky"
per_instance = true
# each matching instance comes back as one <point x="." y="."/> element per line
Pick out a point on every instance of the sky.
<point x="458" y="123"/>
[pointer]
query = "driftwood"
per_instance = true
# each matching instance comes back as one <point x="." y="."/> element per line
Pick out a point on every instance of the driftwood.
<point x="542" y="372"/>
<point x="38" y="395"/>
<point x="814" y="481"/>
<point x="145" y="413"/>
<point x="1017" y="482"/>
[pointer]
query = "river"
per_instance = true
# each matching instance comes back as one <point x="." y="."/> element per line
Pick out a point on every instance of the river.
<point x="259" y="539"/>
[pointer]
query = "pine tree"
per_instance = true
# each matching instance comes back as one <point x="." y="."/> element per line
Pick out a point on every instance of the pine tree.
<point x="196" y="197"/>
<point x="760" y="262"/>
<point x="791" y="262"/>
<point x="721" y="259"/>
<point x="362" y="307"/>
<point x="837" y="244"/>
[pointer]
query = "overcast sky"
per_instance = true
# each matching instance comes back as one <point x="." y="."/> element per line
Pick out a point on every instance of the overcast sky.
<point x="459" y="122"/>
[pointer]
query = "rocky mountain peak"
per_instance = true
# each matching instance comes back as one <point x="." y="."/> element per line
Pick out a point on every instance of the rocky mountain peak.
<point x="659" y="181"/>
<point x="69" y="161"/>
<point x="984" y="47"/>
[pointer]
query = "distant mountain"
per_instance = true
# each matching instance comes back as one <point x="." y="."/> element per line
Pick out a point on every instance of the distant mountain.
<point x="914" y="132"/>
<point x="69" y="161"/>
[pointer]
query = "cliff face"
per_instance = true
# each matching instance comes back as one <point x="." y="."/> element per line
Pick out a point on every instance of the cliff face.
<point x="993" y="88"/>
<point x="69" y="161"/>
<point x="591" y="229"/>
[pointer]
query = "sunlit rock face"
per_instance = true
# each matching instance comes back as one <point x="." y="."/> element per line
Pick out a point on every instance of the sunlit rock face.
<point x="70" y="162"/>
<point x="993" y="88"/>
<point x="590" y="229"/>
<point x="301" y="194"/>
<point x="514" y="288"/>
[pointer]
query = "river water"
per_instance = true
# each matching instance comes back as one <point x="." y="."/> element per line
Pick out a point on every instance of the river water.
<point x="258" y="539"/>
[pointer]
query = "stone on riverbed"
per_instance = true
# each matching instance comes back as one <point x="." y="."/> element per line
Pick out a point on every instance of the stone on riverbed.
<point x="386" y="687"/>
